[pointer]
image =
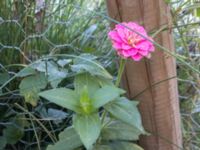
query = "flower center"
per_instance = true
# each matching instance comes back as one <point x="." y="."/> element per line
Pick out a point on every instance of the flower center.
<point x="133" y="41"/>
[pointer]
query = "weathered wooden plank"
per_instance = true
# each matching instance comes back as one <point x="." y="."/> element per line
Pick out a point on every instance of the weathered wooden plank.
<point x="159" y="104"/>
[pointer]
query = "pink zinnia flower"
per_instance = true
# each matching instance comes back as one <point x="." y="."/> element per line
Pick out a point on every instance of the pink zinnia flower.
<point x="129" y="44"/>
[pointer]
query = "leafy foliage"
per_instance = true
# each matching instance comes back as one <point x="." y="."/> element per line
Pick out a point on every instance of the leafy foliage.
<point x="62" y="97"/>
<point x="106" y="94"/>
<point x="87" y="63"/>
<point x="117" y="130"/>
<point x="68" y="139"/>
<point x="125" y="146"/>
<point x="2" y="142"/>
<point x="88" y="127"/>
<point x="31" y="85"/>
<point x="126" y="111"/>
<point x="86" y="80"/>
<point x="10" y="137"/>
<point x="85" y="100"/>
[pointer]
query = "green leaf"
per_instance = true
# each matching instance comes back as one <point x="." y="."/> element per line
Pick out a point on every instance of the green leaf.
<point x="85" y="79"/>
<point x="88" y="127"/>
<point x="22" y="123"/>
<point x="126" y="111"/>
<point x="105" y="95"/>
<point x="55" y="73"/>
<point x="2" y="142"/>
<point x="117" y="145"/>
<point x="125" y="146"/>
<point x="85" y="57"/>
<point x="102" y="147"/>
<point x="26" y="72"/>
<point x="68" y="140"/>
<point x="4" y="77"/>
<point x="117" y="130"/>
<point x="64" y="62"/>
<point x="12" y="133"/>
<point x="87" y="63"/>
<point x="31" y="85"/>
<point x="105" y="82"/>
<point x="63" y="97"/>
<point x="56" y="76"/>
<point x="15" y="131"/>
<point x="32" y="97"/>
<point x="85" y="101"/>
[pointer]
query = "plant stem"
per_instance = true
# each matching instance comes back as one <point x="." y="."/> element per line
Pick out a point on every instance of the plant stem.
<point x="121" y="70"/>
<point x="103" y="116"/>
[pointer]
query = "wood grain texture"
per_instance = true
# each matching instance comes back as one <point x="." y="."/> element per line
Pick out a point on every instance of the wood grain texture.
<point x="159" y="104"/>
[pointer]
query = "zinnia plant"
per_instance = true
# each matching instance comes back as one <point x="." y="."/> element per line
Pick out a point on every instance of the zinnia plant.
<point x="103" y="118"/>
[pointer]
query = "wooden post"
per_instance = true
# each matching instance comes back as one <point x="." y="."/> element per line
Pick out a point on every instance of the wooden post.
<point x="159" y="104"/>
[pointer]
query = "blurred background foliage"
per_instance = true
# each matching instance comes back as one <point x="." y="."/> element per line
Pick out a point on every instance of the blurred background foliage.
<point x="186" y="21"/>
<point x="32" y="29"/>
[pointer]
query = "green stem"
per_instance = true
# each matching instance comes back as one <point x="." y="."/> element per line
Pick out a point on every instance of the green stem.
<point x="121" y="70"/>
<point x="103" y="116"/>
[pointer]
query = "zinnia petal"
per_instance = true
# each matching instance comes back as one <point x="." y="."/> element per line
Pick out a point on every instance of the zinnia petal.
<point x="137" y="57"/>
<point x="133" y="51"/>
<point x="126" y="54"/>
<point x="143" y="45"/>
<point x="126" y="46"/>
<point x="117" y="45"/>
<point x="113" y="35"/>
<point x="121" y="33"/>
<point x="142" y="52"/>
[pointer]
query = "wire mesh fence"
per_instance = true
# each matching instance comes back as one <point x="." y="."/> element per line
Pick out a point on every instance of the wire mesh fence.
<point x="30" y="31"/>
